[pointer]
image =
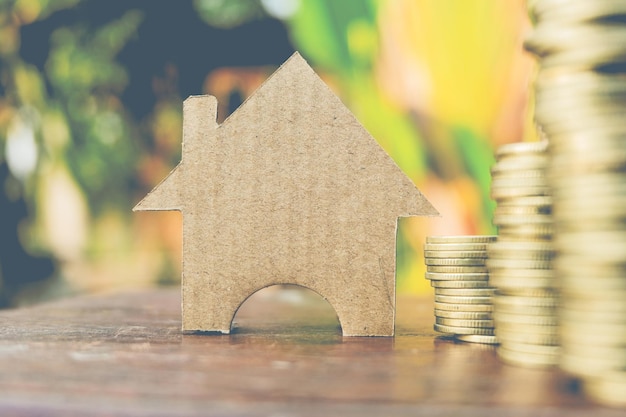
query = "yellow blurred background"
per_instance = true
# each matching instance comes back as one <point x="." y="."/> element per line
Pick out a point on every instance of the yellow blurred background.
<point x="90" y="117"/>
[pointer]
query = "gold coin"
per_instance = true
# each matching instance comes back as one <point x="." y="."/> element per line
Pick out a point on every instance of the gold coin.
<point x="607" y="389"/>
<point x="603" y="332"/>
<point x="598" y="245"/>
<point x="609" y="149"/>
<point x="616" y="303"/>
<point x="504" y="282"/>
<point x="531" y="338"/>
<point x="477" y="338"/>
<point x="531" y="202"/>
<point x="514" y="175"/>
<point x="526" y="359"/>
<point x="497" y="263"/>
<point x="583" y="341"/>
<point x="549" y="299"/>
<point x="521" y="148"/>
<point x="612" y="91"/>
<point x="455" y="254"/>
<point x="525" y="319"/>
<point x="434" y="276"/>
<point x="466" y="292"/>
<point x="587" y="57"/>
<point x="576" y="218"/>
<point x="527" y="231"/>
<point x="548" y="40"/>
<point x="514" y="181"/>
<point x="455" y="261"/>
<point x="576" y="144"/>
<point x="594" y="105"/>
<point x="501" y="193"/>
<point x="571" y="162"/>
<point x="601" y="220"/>
<point x="581" y="83"/>
<point x="602" y="317"/>
<point x="508" y="327"/>
<point x="462" y="330"/>
<point x="573" y="123"/>
<point x="501" y="246"/>
<point x="597" y="350"/>
<point x="504" y="210"/>
<point x="455" y="247"/>
<point x="520" y="163"/>
<point x="598" y="210"/>
<point x="613" y="200"/>
<point x="514" y="220"/>
<point x="603" y="192"/>
<point x="591" y="366"/>
<point x="600" y="335"/>
<point x="529" y="292"/>
<point x="483" y="324"/>
<point x="463" y="307"/>
<point x="604" y="282"/>
<point x="461" y="239"/>
<point x="538" y="274"/>
<point x="532" y="348"/>
<point x="598" y="183"/>
<point x="466" y="315"/>
<point x="528" y="310"/>
<point x="572" y="283"/>
<point x="575" y="12"/>
<point x="605" y="88"/>
<point x="466" y="285"/>
<point x="462" y="300"/>
<point x="457" y="269"/>
<point x="591" y="291"/>
<point x="583" y="345"/>
<point x="526" y="255"/>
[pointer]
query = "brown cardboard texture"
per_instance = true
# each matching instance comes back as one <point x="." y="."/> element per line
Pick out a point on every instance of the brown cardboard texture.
<point x="290" y="189"/>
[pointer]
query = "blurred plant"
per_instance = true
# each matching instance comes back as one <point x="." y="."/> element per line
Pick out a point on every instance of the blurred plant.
<point x="227" y="14"/>
<point x="64" y="132"/>
<point x="437" y="83"/>
<point x="86" y="83"/>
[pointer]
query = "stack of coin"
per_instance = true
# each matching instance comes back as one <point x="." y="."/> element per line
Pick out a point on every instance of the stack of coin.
<point x="455" y="266"/>
<point x="580" y="104"/>
<point x="520" y="261"/>
<point x="581" y="101"/>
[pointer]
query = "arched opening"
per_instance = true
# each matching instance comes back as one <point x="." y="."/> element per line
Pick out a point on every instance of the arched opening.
<point x="287" y="311"/>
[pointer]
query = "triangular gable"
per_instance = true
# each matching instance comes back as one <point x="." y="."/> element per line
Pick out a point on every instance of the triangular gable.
<point x="294" y="90"/>
<point x="166" y="195"/>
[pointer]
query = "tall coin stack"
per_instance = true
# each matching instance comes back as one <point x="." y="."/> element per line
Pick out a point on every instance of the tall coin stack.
<point x="580" y="105"/>
<point x="520" y="261"/>
<point x="455" y="266"/>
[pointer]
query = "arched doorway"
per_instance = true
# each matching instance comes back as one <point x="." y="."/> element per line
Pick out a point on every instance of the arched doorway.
<point x="286" y="311"/>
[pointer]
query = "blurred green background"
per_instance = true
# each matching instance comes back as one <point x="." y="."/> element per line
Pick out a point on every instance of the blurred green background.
<point x="90" y="116"/>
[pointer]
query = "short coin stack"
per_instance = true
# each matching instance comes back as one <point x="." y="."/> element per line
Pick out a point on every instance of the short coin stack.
<point x="456" y="268"/>
<point x="581" y="103"/>
<point x="525" y="306"/>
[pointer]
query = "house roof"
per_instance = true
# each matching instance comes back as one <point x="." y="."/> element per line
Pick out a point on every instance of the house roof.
<point x="291" y="144"/>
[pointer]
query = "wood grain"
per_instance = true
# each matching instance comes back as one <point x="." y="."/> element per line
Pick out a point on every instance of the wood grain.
<point x="124" y="354"/>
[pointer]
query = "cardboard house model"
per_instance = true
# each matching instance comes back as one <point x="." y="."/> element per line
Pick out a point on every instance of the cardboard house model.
<point x="290" y="189"/>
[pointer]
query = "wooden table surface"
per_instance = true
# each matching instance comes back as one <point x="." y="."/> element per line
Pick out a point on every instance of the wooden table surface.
<point x="124" y="355"/>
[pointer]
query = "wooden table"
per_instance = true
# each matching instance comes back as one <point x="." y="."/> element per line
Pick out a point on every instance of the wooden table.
<point x="124" y="354"/>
